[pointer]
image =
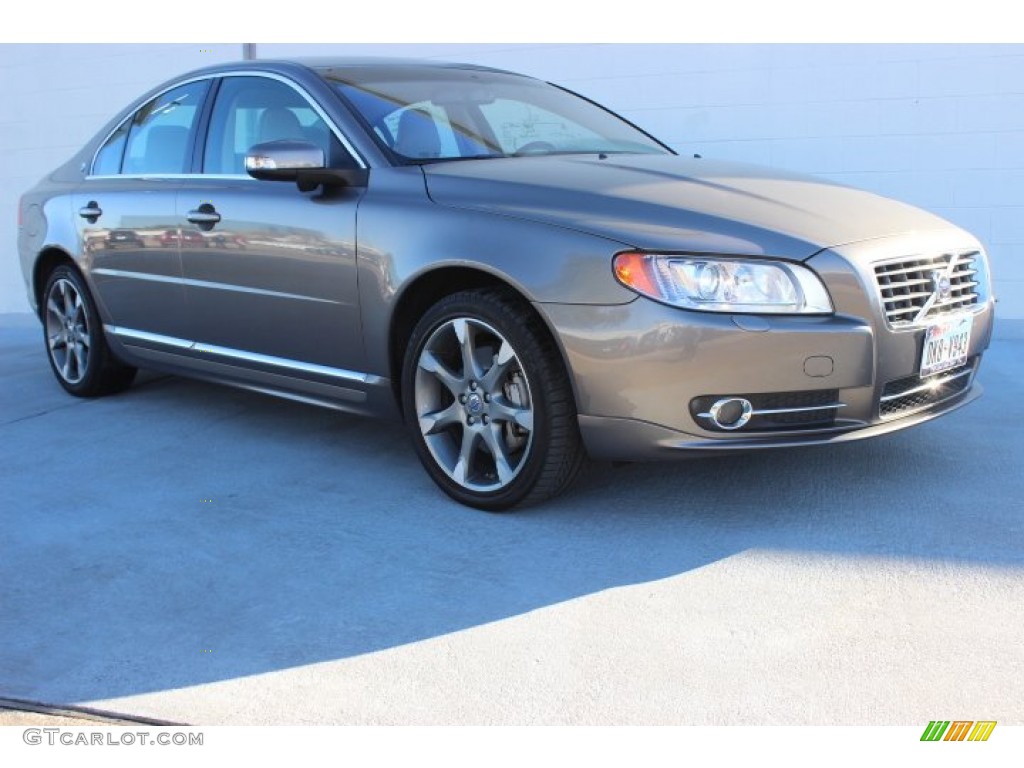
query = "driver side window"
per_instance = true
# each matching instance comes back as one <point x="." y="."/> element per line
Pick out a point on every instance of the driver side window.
<point x="254" y="110"/>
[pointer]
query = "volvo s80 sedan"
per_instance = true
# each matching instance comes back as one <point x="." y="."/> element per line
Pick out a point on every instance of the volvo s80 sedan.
<point x="519" y="274"/>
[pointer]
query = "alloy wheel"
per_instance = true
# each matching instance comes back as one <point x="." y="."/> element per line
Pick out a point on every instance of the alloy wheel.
<point x="473" y="404"/>
<point x="68" y="336"/>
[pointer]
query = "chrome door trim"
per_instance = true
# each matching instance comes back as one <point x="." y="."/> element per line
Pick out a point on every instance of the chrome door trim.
<point x="192" y="283"/>
<point x="155" y="338"/>
<point x="243" y="356"/>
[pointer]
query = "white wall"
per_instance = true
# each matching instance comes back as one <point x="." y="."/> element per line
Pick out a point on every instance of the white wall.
<point x="940" y="126"/>
<point x="53" y="98"/>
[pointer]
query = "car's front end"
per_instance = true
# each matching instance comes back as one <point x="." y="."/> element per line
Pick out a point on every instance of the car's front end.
<point x="766" y="309"/>
<point x="654" y="381"/>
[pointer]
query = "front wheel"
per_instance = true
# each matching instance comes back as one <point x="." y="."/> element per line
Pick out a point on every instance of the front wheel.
<point x="489" y="404"/>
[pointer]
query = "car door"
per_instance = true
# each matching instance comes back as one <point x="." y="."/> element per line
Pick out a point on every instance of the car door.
<point x="270" y="271"/>
<point x="127" y="215"/>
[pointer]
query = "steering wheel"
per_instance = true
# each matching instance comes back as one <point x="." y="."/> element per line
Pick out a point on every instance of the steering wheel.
<point x="535" y="147"/>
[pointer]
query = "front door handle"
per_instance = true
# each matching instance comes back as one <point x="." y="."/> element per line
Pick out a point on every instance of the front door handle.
<point x="91" y="211"/>
<point x="205" y="216"/>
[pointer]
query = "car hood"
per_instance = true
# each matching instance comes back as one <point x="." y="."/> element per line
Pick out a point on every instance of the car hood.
<point x="665" y="202"/>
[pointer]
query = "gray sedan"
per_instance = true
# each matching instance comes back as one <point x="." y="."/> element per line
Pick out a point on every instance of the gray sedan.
<point x="521" y="275"/>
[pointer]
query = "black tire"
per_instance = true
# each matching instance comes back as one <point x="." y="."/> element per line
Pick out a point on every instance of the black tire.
<point x="74" y="340"/>
<point x="513" y="414"/>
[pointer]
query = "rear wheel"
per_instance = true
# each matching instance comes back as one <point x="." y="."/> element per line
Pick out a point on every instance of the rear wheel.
<point x="75" y="345"/>
<point x="489" y="404"/>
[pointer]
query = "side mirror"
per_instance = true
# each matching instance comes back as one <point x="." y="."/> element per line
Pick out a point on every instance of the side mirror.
<point x="300" y="162"/>
<point x="283" y="160"/>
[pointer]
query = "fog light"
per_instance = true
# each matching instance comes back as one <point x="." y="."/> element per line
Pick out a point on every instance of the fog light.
<point x="731" y="412"/>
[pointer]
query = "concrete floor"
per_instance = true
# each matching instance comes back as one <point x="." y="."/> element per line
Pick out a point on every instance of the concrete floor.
<point x="22" y="718"/>
<point x="198" y="554"/>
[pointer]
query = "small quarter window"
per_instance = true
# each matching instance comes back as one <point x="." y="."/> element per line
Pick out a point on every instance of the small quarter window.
<point x="108" y="159"/>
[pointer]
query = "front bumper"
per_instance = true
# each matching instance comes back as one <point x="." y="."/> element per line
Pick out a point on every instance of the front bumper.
<point x="632" y="440"/>
<point x="643" y="372"/>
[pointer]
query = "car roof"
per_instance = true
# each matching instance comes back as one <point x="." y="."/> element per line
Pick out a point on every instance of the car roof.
<point x="381" y="62"/>
<point x="355" y="64"/>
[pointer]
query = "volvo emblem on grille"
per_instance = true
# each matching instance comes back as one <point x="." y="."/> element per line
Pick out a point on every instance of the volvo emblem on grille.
<point x="941" y="285"/>
<point x="941" y="288"/>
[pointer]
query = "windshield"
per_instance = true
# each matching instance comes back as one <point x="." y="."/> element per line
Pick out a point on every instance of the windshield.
<point x="448" y="114"/>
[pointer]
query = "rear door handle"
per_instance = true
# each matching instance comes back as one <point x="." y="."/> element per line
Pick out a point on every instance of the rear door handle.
<point x="91" y="211"/>
<point x="204" y="214"/>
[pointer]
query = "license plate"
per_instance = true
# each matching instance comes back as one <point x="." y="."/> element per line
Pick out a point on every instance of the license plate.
<point x="945" y="345"/>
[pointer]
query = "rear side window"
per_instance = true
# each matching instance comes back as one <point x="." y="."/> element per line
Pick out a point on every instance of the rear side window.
<point x="158" y="138"/>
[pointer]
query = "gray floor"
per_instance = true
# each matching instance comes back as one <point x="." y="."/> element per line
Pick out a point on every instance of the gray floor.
<point x="200" y="554"/>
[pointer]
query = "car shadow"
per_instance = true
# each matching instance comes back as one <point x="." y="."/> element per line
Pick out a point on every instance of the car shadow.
<point x="185" y="533"/>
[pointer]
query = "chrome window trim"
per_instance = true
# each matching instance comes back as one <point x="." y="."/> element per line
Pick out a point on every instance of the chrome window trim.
<point x="187" y="281"/>
<point x="360" y="160"/>
<point x="174" y="176"/>
<point x="238" y="354"/>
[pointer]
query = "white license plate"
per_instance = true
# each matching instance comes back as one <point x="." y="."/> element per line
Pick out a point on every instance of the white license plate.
<point x="945" y="345"/>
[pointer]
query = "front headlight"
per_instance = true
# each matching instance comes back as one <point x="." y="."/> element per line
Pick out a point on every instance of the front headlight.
<point x="724" y="284"/>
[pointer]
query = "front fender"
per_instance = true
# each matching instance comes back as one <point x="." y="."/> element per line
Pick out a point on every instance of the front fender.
<point x="402" y="235"/>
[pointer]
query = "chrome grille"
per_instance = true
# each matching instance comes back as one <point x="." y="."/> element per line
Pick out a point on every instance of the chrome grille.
<point x="910" y="286"/>
<point x="906" y="395"/>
